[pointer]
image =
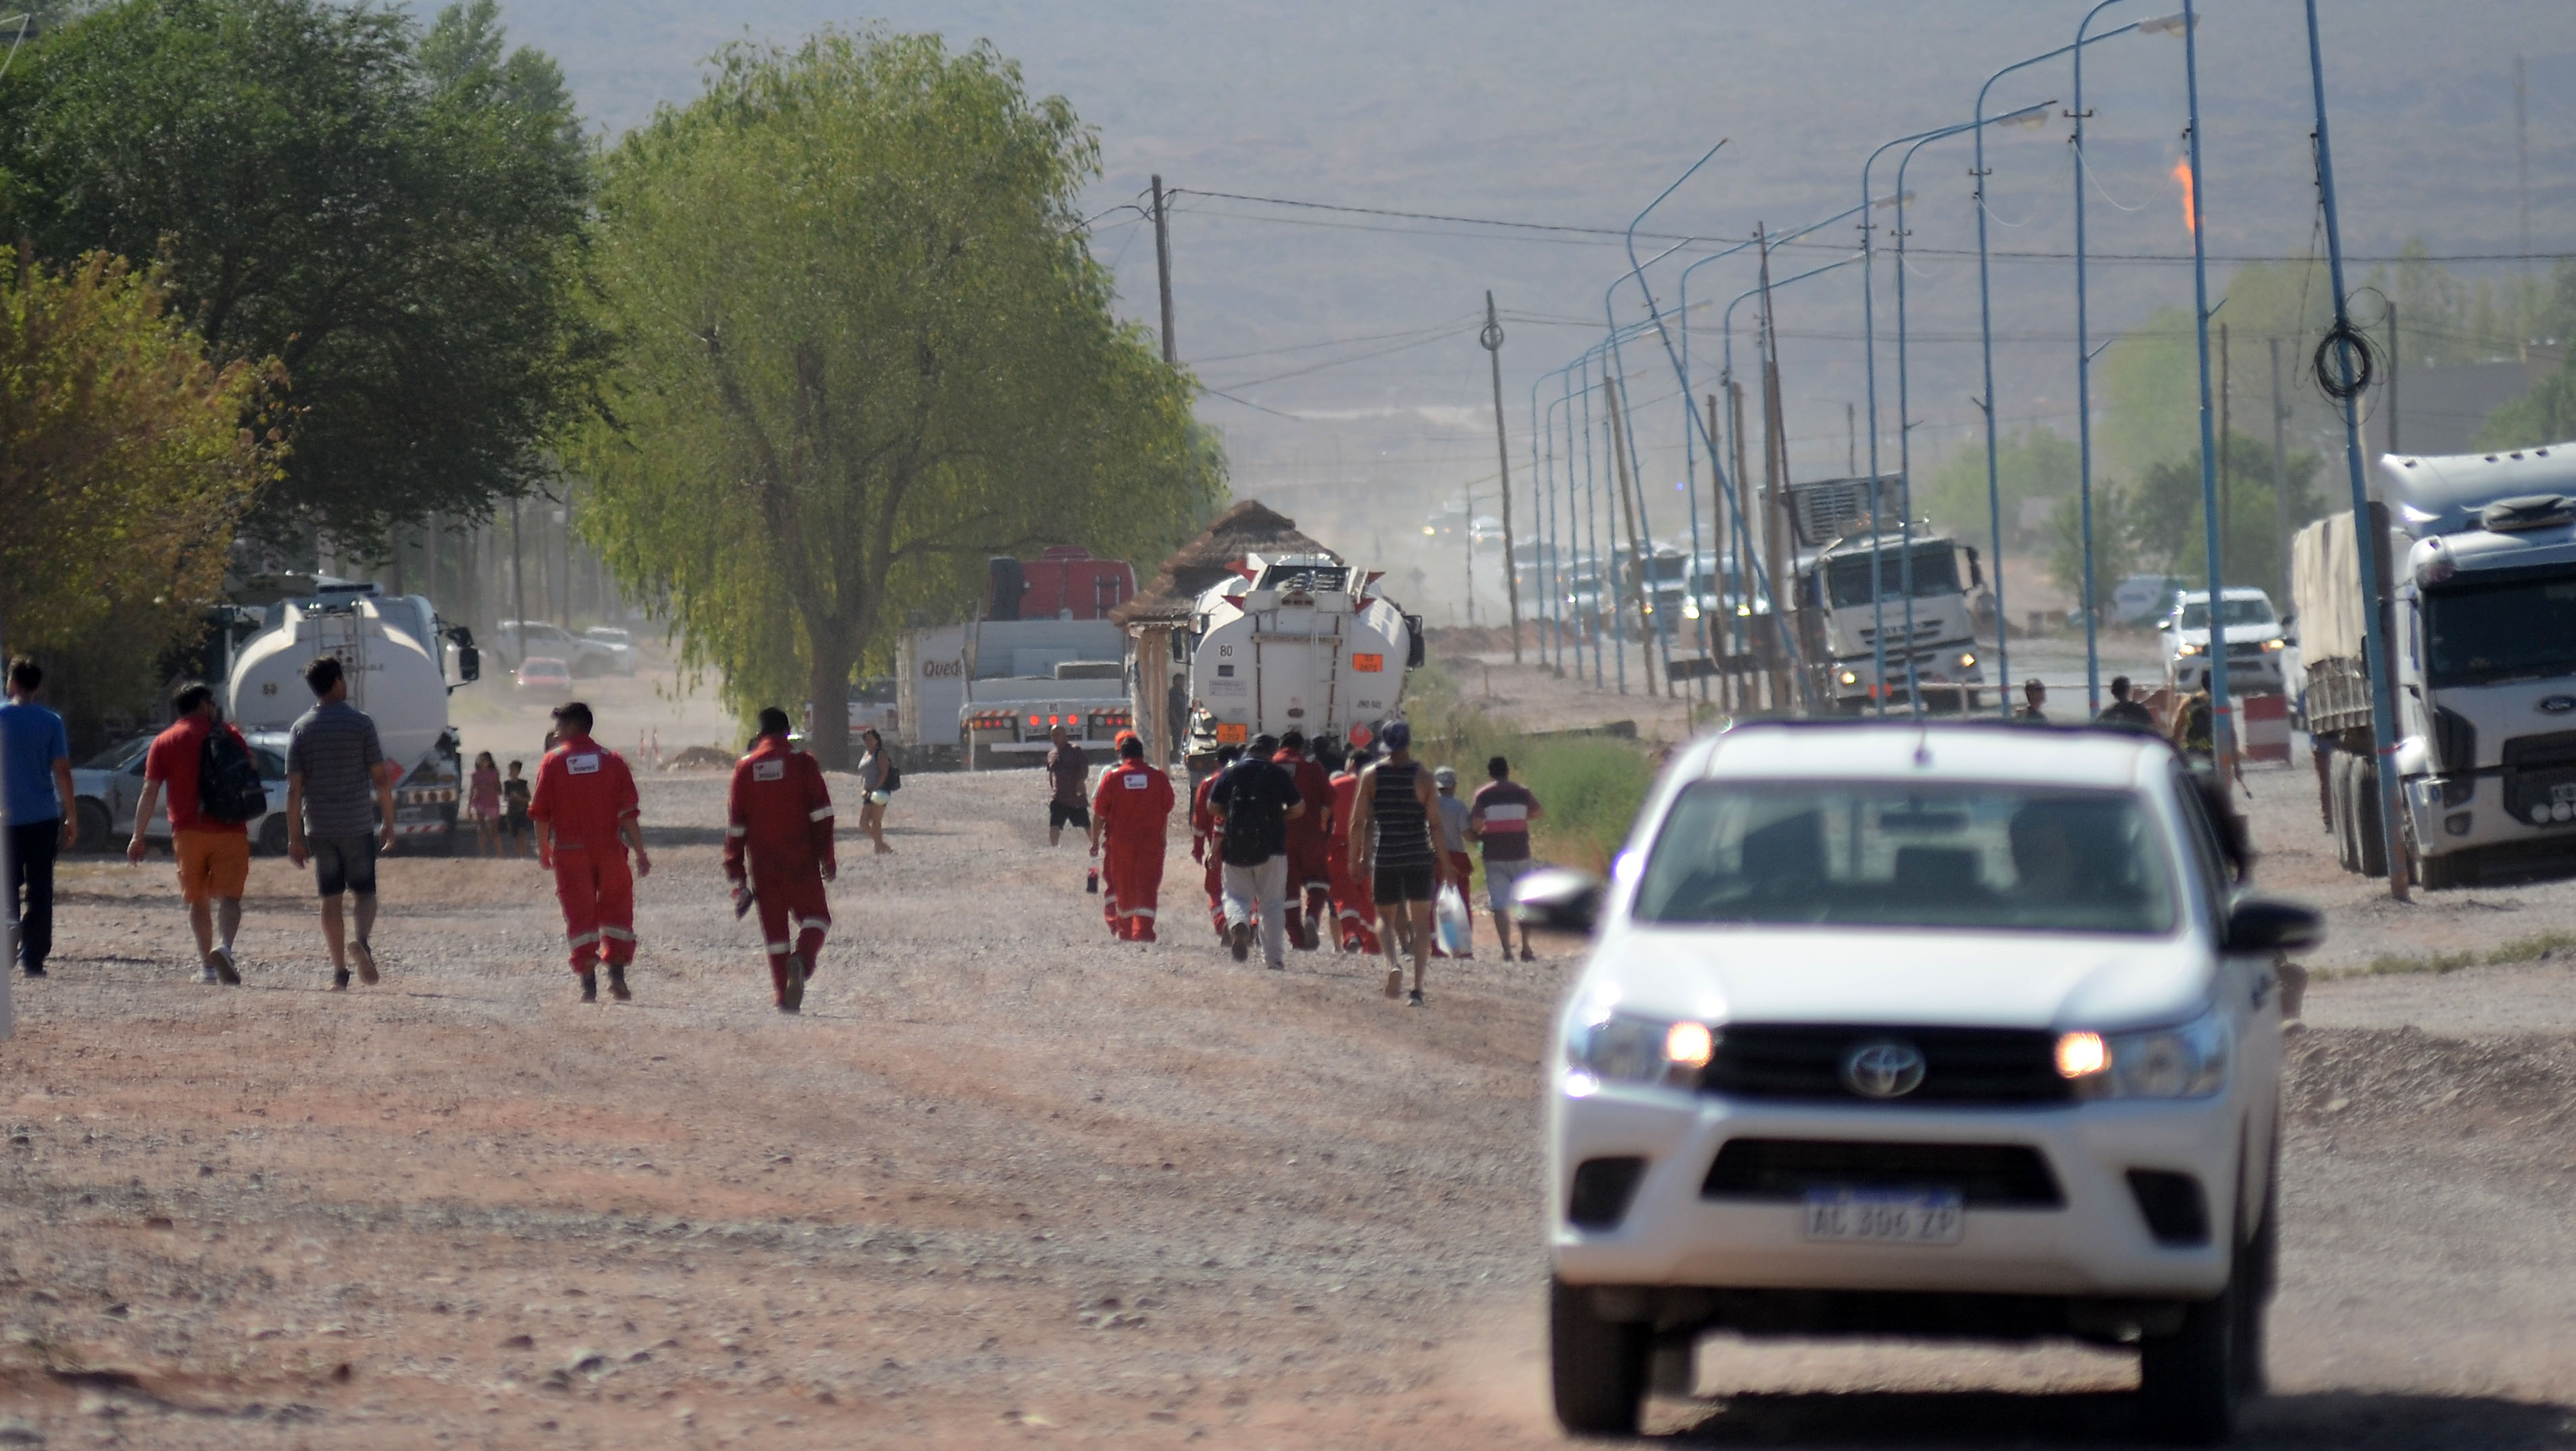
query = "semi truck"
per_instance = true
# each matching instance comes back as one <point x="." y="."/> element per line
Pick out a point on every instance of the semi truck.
<point x="1294" y="642"/>
<point x="1931" y="652"/>
<point x="2481" y="638"/>
<point x="393" y="649"/>
<point x="991" y="692"/>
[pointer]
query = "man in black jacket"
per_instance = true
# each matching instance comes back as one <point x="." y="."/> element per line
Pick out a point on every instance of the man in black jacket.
<point x="1253" y="802"/>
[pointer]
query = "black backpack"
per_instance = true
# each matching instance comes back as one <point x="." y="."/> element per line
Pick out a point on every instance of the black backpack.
<point x="228" y="786"/>
<point x="892" y="780"/>
<point x="1256" y="822"/>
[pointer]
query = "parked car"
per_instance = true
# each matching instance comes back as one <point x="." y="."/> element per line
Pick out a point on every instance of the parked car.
<point x="2142" y="598"/>
<point x="1934" y="1030"/>
<point x="519" y="640"/>
<point x="619" y="645"/>
<point x="106" y="787"/>
<point x="542" y="675"/>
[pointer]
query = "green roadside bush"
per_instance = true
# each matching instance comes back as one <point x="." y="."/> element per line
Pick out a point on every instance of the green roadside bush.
<point x="1590" y="787"/>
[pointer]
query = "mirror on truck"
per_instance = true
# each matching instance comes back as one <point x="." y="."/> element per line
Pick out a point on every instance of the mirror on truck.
<point x="469" y="664"/>
<point x="1413" y="642"/>
<point x="1976" y="576"/>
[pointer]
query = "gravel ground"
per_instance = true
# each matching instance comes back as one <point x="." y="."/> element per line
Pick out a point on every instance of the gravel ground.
<point x="1006" y="1182"/>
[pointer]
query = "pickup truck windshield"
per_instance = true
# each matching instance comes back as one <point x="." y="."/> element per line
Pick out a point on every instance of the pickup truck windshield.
<point x="2492" y="631"/>
<point x="2235" y="612"/>
<point x="1936" y="572"/>
<point x="1871" y="854"/>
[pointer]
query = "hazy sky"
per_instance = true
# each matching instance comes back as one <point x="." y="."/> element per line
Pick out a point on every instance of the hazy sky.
<point x="1579" y="114"/>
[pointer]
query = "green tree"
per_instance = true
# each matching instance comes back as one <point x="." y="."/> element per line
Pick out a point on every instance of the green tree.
<point x="2036" y="463"/>
<point x="399" y="222"/>
<point x="866" y="346"/>
<point x="2545" y="415"/>
<point x="2115" y="541"/>
<point x="125" y="462"/>
<point x="2166" y="516"/>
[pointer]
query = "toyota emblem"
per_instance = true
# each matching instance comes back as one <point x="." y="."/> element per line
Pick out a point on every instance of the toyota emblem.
<point x="2557" y="704"/>
<point x="1883" y="1068"/>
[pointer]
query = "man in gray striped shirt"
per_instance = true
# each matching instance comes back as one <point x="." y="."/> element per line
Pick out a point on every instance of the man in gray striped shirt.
<point x="339" y="810"/>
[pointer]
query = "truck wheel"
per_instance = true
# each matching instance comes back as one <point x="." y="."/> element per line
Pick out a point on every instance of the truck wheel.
<point x="272" y="835"/>
<point x="2370" y="838"/>
<point x="94" y="826"/>
<point x="2187" y="1380"/>
<point x="1597" y="1367"/>
<point x="2262" y="1274"/>
<point x="2339" y="810"/>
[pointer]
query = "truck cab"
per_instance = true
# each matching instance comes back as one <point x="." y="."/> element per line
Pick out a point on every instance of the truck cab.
<point x="1931" y="651"/>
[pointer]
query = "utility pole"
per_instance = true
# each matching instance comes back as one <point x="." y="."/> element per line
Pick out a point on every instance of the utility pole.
<point x="2522" y="206"/>
<point x="2394" y="353"/>
<point x="1492" y="338"/>
<point x="1639" y="559"/>
<point x="1163" y="271"/>
<point x="2226" y="479"/>
<point x="1851" y="453"/>
<point x="2280" y="469"/>
<point x="1775" y="482"/>
<point x="1744" y="545"/>
<point x="518" y="581"/>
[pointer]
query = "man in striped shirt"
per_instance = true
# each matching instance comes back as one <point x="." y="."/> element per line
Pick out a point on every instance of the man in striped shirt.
<point x="1499" y="819"/>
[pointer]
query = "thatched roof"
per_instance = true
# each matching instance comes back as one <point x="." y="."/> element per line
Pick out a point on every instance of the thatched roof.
<point x="1248" y="528"/>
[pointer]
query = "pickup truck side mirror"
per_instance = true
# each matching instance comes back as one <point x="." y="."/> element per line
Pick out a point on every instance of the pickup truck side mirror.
<point x="1558" y="900"/>
<point x="469" y="664"/>
<point x="2164" y="625"/>
<point x="2268" y="924"/>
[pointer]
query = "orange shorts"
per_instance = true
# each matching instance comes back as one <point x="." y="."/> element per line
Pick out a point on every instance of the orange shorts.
<point x="212" y="864"/>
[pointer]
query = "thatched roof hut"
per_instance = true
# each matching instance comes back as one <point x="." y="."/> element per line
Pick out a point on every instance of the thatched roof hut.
<point x="1248" y="528"/>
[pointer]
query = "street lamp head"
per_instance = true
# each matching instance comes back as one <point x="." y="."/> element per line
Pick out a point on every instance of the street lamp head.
<point x="2027" y="116"/>
<point x="2173" y="24"/>
<point x="1898" y="200"/>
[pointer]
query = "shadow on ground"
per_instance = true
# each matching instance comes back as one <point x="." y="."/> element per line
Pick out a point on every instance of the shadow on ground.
<point x="1984" y="1418"/>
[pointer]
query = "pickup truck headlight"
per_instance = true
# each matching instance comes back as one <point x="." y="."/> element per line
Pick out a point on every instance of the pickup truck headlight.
<point x="2186" y="1061"/>
<point x="2186" y="648"/>
<point x="2275" y="645"/>
<point x="1624" y="1048"/>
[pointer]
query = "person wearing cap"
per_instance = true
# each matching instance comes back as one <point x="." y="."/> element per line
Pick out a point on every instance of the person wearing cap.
<point x="587" y="816"/>
<point x="1453" y="843"/>
<point x="1354" y="911"/>
<point x="1391" y="846"/>
<point x="1310" y="880"/>
<point x="1206" y="847"/>
<point x="1131" y="809"/>
<point x="778" y="853"/>
<point x="1255" y="804"/>
<point x="2034" y="698"/>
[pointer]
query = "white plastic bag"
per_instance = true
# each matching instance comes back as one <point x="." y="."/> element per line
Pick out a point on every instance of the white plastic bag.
<point x="1450" y="920"/>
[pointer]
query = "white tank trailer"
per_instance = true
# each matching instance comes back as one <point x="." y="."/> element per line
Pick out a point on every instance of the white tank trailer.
<point x="1295" y="642"/>
<point x="393" y="651"/>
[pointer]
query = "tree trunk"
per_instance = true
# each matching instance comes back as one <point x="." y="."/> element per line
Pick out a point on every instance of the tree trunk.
<point x="828" y="687"/>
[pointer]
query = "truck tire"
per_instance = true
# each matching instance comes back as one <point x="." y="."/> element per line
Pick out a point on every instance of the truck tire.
<point x="2369" y="837"/>
<point x="95" y="828"/>
<point x="2434" y="873"/>
<point x="272" y="835"/>
<point x="2187" y="1381"/>
<point x="2339" y="810"/>
<point x="1597" y="1368"/>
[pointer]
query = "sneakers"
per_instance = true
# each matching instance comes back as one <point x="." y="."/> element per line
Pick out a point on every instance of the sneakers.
<point x="365" y="957"/>
<point x="1145" y="933"/>
<point x="207" y="976"/>
<point x="589" y="986"/>
<point x="1413" y="999"/>
<point x="339" y="980"/>
<point x="225" y="972"/>
<point x="1238" y="938"/>
<point x="617" y="983"/>
<point x="791" y="998"/>
<point x="32" y="970"/>
<point x="1394" y="981"/>
<point x="1278" y="967"/>
<point x="1528" y="956"/>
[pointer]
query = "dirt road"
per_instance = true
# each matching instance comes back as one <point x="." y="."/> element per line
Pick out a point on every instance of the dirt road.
<point x="1009" y="1183"/>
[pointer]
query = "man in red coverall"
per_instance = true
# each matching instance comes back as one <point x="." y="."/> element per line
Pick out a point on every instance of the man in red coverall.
<point x="1354" y="905"/>
<point x="586" y="816"/>
<point x="1207" y="838"/>
<point x="1131" y="806"/>
<point x="778" y="853"/>
<point x="1310" y="876"/>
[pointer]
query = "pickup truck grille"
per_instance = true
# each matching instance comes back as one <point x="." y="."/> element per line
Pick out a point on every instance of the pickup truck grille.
<point x="1998" y="1175"/>
<point x="1961" y="1065"/>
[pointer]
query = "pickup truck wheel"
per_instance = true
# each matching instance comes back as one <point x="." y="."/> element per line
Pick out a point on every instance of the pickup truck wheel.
<point x="94" y="826"/>
<point x="1597" y="1367"/>
<point x="2254" y="1300"/>
<point x="2187" y="1380"/>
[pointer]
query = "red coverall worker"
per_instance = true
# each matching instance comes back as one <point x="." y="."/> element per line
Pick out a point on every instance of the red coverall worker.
<point x="778" y="845"/>
<point x="1207" y="841"/>
<point x="1131" y="808"/>
<point x="584" y="796"/>
<point x="1310" y="874"/>
<point x="1354" y="906"/>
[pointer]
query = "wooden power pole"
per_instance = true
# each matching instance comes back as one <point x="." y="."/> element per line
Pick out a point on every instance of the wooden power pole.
<point x="1492" y="338"/>
<point x="1163" y="270"/>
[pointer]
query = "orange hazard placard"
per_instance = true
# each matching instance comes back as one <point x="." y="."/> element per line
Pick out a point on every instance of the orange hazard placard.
<point x="1368" y="664"/>
<point x="1231" y="735"/>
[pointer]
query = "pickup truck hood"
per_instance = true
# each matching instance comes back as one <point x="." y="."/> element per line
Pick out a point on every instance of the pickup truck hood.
<point x="1910" y="976"/>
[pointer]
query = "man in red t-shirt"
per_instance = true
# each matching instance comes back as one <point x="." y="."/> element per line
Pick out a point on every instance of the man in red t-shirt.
<point x="1354" y="905"/>
<point x="213" y="856"/>
<point x="778" y="853"/>
<point x="587" y="816"/>
<point x="1131" y="808"/>
<point x="1310" y="876"/>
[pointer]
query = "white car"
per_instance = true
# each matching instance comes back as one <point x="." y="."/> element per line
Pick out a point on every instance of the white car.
<point x="619" y="647"/>
<point x="107" y="786"/>
<point x="1959" y="1030"/>
<point x="2255" y="641"/>
<point x="518" y="641"/>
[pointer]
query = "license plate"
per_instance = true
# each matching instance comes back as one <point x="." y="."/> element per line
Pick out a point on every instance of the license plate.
<point x="1885" y="1216"/>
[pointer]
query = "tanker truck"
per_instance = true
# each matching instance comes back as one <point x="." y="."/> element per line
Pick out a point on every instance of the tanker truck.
<point x="1294" y="642"/>
<point x="393" y="649"/>
<point x="2482" y="630"/>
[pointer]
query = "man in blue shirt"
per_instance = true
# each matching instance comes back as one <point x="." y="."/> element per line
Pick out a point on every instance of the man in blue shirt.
<point x="35" y="759"/>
